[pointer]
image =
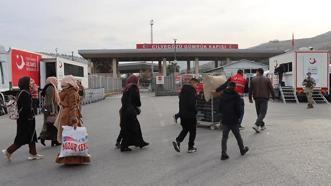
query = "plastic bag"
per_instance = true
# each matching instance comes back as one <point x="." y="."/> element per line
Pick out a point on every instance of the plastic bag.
<point x="74" y="142"/>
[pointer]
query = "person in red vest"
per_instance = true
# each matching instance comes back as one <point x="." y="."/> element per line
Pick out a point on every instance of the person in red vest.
<point x="241" y="87"/>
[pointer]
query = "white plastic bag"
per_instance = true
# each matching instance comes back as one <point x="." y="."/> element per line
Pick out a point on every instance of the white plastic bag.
<point x="74" y="142"/>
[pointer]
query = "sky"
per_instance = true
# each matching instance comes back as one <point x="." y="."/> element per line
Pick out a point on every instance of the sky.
<point x="70" y="25"/>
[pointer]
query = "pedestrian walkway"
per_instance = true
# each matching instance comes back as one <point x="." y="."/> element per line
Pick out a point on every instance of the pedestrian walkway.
<point x="295" y="149"/>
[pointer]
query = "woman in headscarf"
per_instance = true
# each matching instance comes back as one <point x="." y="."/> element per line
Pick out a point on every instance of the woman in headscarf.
<point x="130" y="128"/>
<point x="34" y="90"/>
<point x="69" y="115"/>
<point x="26" y="124"/>
<point x="51" y="110"/>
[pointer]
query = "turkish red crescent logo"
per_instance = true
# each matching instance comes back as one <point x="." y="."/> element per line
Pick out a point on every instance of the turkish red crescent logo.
<point x="60" y="65"/>
<point x="20" y="66"/>
<point x="312" y="61"/>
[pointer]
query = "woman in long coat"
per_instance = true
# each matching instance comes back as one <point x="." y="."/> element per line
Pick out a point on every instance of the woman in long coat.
<point x="51" y="109"/>
<point x="130" y="128"/>
<point x="69" y="115"/>
<point x="26" y="124"/>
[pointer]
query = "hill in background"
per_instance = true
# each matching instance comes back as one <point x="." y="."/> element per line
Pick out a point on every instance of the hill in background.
<point x="320" y="42"/>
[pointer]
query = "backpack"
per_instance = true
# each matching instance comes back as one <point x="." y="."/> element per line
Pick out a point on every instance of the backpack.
<point x="12" y="109"/>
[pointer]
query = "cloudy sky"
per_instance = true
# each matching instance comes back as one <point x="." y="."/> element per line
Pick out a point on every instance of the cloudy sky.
<point x="69" y="25"/>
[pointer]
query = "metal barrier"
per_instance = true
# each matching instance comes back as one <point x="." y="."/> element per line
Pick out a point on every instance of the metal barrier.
<point x="93" y="95"/>
<point x="108" y="83"/>
<point x="168" y="88"/>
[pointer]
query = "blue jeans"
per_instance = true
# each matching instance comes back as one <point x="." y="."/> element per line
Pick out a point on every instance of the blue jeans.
<point x="242" y="111"/>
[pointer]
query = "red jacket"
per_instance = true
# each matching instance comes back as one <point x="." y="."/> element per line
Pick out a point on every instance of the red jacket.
<point x="240" y="83"/>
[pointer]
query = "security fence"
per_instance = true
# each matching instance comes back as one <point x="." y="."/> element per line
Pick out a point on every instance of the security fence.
<point x="108" y="83"/>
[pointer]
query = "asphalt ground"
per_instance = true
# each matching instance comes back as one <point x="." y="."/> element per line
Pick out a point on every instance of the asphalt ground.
<point x="295" y="149"/>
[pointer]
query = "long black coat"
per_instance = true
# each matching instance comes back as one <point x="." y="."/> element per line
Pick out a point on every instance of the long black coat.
<point x="26" y="124"/>
<point x="130" y="125"/>
<point x="230" y="107"/>
<point x="187" y="102"/>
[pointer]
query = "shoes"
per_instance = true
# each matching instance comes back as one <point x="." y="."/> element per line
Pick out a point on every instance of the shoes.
<point x="244" y="151"/>
<point x="35" y="157"/>
<point x="310" y="106"/>
<point x="126" y="149"/>
<point x="224" y="156"/>
<point x="42" y="141"/>
<point x="175" y="119"/>
<point x="55" y="143"/>
<point x="241" y="128"/>
<point x="144" y="145"/>
<point x="263" y="128"/>
<point x="192" y="150"/>
<point x="6" y="154"/>
<point x="256" y="128"/>
<point x="176" y="146"/>
<point x="118" y="145"/>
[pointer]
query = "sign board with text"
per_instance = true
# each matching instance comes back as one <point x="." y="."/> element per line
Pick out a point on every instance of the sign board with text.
<point x="187" y="46"/>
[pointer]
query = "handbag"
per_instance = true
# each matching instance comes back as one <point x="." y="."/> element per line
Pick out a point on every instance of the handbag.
<point x="74" y="142"/>
<point x="12" y="107"/>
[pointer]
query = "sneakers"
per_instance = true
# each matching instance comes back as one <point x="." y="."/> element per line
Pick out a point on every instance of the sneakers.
<point x="35" y="157"/>
<point x="224" y="156"/>
<point x="176" y="146"/>
<point x="244" y="151"/>
<point x="6" y="154"/>
<point x="192" y="150"/>
<point x="256" y="128"/>
<point x="263" y="128"/>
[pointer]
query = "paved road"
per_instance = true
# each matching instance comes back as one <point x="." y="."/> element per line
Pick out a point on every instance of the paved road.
<point x="294" y="150"/>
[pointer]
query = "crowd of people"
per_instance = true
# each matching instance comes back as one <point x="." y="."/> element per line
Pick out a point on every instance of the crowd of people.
<point x="64" y="109"/>
<point x="59" y="109"/>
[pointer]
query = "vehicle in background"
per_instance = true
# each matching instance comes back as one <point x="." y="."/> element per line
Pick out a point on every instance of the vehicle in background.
<point x="60" y="67"/>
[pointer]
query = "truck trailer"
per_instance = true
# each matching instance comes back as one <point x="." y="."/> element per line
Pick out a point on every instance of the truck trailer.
<point x="292" y="69"/>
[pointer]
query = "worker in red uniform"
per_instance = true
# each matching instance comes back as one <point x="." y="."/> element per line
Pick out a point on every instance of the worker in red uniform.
<point x="241" y="88"/>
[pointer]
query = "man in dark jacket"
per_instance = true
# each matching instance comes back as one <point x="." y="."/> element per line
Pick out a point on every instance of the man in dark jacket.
<point x="261" y="89"/>
<point x="187" y="112"/>
<point x="230" y="107"/>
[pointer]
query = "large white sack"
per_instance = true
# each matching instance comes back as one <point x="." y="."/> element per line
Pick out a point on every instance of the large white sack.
<point x="74" y="142"/>
<point x="211" y="83"/>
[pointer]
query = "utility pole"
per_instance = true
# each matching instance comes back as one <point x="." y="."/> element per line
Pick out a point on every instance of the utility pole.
<point x="152" y="74"/>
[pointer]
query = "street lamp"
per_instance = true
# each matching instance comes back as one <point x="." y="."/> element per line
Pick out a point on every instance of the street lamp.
<point x="175" y="56"/>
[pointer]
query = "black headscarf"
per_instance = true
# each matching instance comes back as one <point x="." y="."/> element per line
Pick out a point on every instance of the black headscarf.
<point x="24" y="83"/>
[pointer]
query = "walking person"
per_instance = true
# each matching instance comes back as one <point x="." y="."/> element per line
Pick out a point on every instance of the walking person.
<point x="241" y="85"/>
<point x="51" y="110"/>
<point x="230" y="107"/>
<point x="26" y="124"/>
<point x="69" y="115"/>
<point x="188" y="112"/>
<point x="309" y="84"/>
<point x="130" y="127"/>
<point x="261" y="89"/>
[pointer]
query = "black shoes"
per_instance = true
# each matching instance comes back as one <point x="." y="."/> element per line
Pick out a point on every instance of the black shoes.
<point x="176" y="146"/>
<point x="55" y="143"/>
<point x="144" y="145"/>
<point x="224" y="156"/>
<point x="126" y="149"/>
<point x="118" y="145"/>
<point x="244" y="151"/>
<point x="42" y="141"/>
